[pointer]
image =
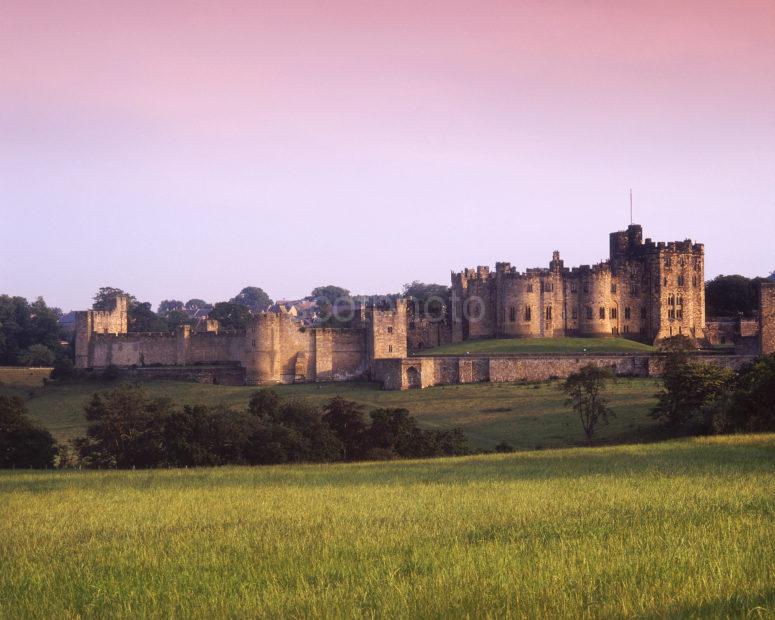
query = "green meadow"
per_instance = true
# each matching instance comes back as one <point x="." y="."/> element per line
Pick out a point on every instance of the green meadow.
<point x="673" y="529"/>
<point x="541" y="345"/>
<point x="527" y="416"/>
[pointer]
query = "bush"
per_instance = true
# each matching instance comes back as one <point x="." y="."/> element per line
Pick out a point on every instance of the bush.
<point x="63" y="368"/>
<point x="750" y="405"/>
<point x="22" y="443"/>
<point x="110" y="373"/>
<point x="504" y="447"/>
<point x="37" y="355"/>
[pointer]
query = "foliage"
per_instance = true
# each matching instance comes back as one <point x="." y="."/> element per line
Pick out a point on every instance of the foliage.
<point x="231" y="315"/>
<point x="176" y="318"/>
<point x="253" y="297"/>
<point x="24" y="325"/>
<point x="192" y="305"/>
<point x="169" y="305"/>
<point x="750" y="404"/>
<point x="63" y="368"/>
<point x="586" y="390"/>
<point x="329" y="295"/>
<point x="427" y="299"/>
<point x="346" y="419"/>
<point x="37" y="355"/>
<point x="105" y="298"/>
<point x="688" y="386"/>
<point x="335" y="305"/>
<point x="22" y="443"/>
<point x="140" y="315"/>
<point x="731" y="295"/>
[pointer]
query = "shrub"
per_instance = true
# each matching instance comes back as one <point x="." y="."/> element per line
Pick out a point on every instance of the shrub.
<point x="504" y="447"/>
<point x="110" y="373"/>
<point x="22" y="443"/>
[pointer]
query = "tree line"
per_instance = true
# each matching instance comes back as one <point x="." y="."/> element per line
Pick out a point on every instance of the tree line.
<point x="129" y="429"/>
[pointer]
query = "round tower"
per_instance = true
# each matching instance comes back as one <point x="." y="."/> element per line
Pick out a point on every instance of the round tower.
<point x="262" y="348"/>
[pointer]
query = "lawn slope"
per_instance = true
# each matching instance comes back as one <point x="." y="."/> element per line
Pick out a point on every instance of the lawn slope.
<point x="540" y="345"/>
<point x="526" y="416"/>
<point x="674" y="529"/>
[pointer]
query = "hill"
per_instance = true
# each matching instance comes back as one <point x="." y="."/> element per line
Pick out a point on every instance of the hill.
<point x="540" y="345"/>
<point x="673" y="529"/>
<point x="527" y="416"/>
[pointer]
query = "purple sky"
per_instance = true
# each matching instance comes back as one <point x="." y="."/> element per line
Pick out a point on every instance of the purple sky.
<point x="191" y="149"/>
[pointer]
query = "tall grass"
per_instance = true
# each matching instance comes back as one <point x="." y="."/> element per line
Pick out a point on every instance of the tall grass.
<point x="681" y="528"/>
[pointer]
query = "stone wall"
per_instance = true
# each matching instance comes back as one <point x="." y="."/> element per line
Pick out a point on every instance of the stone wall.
<point x="425" y="333"/>
<point x="428" y="371"/>
<point x="767" y="318"/>
<point x="226" y="374"/>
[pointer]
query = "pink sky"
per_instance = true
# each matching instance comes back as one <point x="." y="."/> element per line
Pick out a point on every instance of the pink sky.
<point x="190" y="149"/>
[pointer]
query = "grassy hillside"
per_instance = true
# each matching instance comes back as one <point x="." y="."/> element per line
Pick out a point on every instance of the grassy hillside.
<point x="526" y="416"/>
<point x="674" y="529"/>
<point x="541" y="345"/>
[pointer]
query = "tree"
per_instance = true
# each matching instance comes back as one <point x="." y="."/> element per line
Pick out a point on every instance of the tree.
<point x="176" y="318"/>
<point x="430" y="300"/>
<point x="688" y="387"/>
<point x="22" y="443"/>
<point x="169" y="305"/>
<point x="346" y="419"/>
<point x="230" y="315"/>
<point x="264" y="404"/>
<point x="586" y="390"/>
<point x="732" y="295"/>
<point x="142" y="318"/>
<point x="750" y="405"/>
<point x="192" y="305"/>
<point x="126" y="429"/>
<point x="23" y="325"/>
<point x="105" y="298"/>
<point x="37" y="355"/>
<point x="253" y="297"/>
<point x="330" y="294"/>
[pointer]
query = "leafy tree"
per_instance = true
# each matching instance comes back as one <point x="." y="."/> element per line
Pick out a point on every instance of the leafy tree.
<point x="346" y="419"/>
<point x="586" y="390"/>
<point x="105" y="298"/>
<point x="142" y="318"/>
<point x="22" y="443"/>
<point x="392" y="429"/>
<point x="335" y="305"/>
<point x="750" y="405"/>
<point x="169" y="305"/>
<point x="176" y="318"/>
<point x="126" y="429"/>
<point x="732" y="295"/>
<point x="322" y="444"/>
<point x="427" y="299"/>
<point x="688" y="387"/>
<point x="192" y="305"/>
<point x="37" y="355"/>
<point x="253" y="297"/>
<point x="23" y="324"/>
<point x="231" y="315"/>
<point x="264" y="404"/>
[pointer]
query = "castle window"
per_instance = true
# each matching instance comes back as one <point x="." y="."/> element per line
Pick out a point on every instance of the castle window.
<point x="512" y="314"/>
<point x="695" y="279"/>
<point x="643" y="312"/>
<point x="613" y="287"/>
<point x="626" y="313"/>
<point x="626" y="329"/>
<point x="589" y="313"/>
<point x="254" y="344"/>
<point x="667" y="262"/>
<point x="680" y="313"/>
<point x="411" y="324"/>
<point x="528" y="313"/>
<point x="665" y="282"/>
<point x="680" y="300"/>
<point x="634" y="290"/>
<point x="614" y="313"/>
<point x="574" y="313"/>
<point x="601" y="312"/>
<point x="530" y="288"/>
<point x="548" y="313"/>
<point x="586" y="287"/>
<point x="680" y="280"/>
<point x="390" y="348"/>
<point x="573" y="287"/>
<point x="671" y="300"/>
<point x="390" y="330"/>
<point x="671" y="313"/>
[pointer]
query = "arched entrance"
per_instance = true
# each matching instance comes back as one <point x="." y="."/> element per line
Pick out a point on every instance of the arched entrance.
<point x="413" y="378"/>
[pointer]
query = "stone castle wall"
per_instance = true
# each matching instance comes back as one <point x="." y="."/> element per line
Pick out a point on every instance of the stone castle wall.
<point x="429" y="371"/>
<point x="646" y="291"/>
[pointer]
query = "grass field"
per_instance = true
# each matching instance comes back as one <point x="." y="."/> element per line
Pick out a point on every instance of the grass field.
<point x="540" y="345"/>
<point x="526" y="416"/>
<point x="672" y="529"/>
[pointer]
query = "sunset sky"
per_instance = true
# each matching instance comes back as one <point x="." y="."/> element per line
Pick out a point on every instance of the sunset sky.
<point x="188" y="149"/>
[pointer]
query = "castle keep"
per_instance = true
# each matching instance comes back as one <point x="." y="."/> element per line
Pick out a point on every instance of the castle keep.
<point x="645" y="290"/>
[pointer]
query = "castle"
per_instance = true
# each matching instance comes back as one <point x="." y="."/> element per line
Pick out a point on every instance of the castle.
<point x="646" y="291"/>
